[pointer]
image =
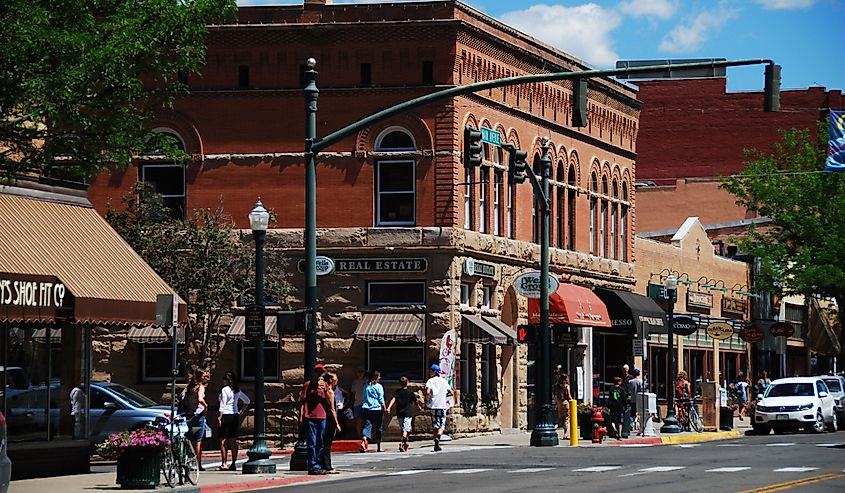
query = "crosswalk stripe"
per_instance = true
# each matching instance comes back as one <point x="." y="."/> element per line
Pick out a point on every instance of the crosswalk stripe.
<point x="688" y="445"/>
<point x="597" y="469"/>
<point x="662" y="468"/>
<point x="730" y="445"/>
<point x="466" y="471"/>
<point x="728" y="469"/>
<point x="408" y="472"/>
<point x="830" y="445"/>
<point x="530" y="470"/>
<point x="780" y="444"/>
<point x="795" y="469"/>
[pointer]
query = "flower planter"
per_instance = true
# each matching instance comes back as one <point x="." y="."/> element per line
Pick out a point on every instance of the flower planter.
<point x="585" y="426"/>
<point x="139" y="468"/>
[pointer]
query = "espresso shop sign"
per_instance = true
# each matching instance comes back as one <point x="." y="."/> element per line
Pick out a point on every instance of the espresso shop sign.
<point x="388" y="264"/>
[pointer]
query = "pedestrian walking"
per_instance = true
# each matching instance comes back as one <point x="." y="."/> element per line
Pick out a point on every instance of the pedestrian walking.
<point x="357" y="390"/>
<point x="315" y="406"/>
<point x="617" y="405"/>
<point x="233" y="405"/>
<point x="763" y="383"/>
<point x="404" y="401"/>
<point x="437" y="390"/>
<point x="562" y="397"/>
<point x="192" y="405"/>
<point x="634" y="386"/>
<point x="742" y="385"/>
<point x="373" y="408"/>
<point x="332" y="422"/>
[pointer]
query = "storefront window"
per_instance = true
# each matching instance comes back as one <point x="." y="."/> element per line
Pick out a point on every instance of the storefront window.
<point x="468" y="378"/>
<point x="156" y="361"/>
<point x="395" y="359"/>
<point x="489" y="374"/>
<point x="395" y="293"/>
<point x="271" y="361"/>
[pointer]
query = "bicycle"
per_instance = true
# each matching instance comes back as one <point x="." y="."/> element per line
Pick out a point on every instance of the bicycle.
<point x="178" y="461"/>
<point x="687" y="415"/>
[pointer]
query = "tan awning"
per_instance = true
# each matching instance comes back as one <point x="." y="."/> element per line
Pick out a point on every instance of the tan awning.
<point x="107" y="281"/>
<point x="501" y="327"/>
<point x="237" y="331"/>
<point x="391" y="327"/>
<point x="475" y="329"/>
<point x="154" y="335"/>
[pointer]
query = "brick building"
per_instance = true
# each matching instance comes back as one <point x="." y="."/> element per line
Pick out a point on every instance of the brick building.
<point x="421" y="246"/>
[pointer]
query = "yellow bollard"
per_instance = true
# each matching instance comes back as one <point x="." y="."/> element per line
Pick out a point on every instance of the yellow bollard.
<point x="573" y="423"/>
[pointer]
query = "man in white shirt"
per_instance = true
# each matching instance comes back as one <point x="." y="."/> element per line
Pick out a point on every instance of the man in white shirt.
<point x="437" y="389"/>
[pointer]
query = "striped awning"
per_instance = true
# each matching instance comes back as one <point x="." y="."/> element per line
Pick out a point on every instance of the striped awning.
<point x="237" y="331"/>
<point x="40" y="336"/>
<point x="475" y="329"/>
<point x="391" y="327"/>
<point x="502" y="327"/>
<point x="154" y="335"/>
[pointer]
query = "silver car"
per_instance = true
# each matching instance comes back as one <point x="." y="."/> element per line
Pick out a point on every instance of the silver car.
<point x="116" y="408"/>
<point x="836" y="384"/>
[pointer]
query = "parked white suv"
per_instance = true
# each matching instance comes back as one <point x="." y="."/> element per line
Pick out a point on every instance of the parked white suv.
<point x="836" y="385"/>
<point x="793" y="403"/>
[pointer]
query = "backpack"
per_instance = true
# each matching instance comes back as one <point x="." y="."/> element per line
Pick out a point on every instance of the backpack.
<point x="188" y="403"/>
<point x="617" y="395"/>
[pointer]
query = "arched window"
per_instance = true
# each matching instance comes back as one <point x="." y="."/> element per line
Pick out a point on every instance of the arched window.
<point x="614" y="211"/>
<point x="498" y="177"/>
<point x="560" y="212"/>
<point x="167" y="178"/>
<point x="469" y="174"/>
<point x="535" y="217"/>
<point x="510" y="221"/>
<point x="623" y="230"/>
<point x="395" y="180"/>
<point x="484" y="199"/>
<point x="594" y="212"/>
<point x="570" y="209"/>
<point x="603" y="223"/>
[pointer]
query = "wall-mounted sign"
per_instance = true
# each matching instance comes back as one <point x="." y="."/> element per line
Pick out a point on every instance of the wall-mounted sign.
<point x="698" y="301"/>
<point x="254" y="322"/>
<point x="474" y="267"/>
<point x="752" y="335"/>
<point x="528" y="284"/>
<point x="720" y="331"/>
<point x="683" y="325"/>
<point x="491" y="136"/>
<point x="325" y="265"/>
<point x="782" y="329"/>
<point x="353" y="265"/>
<point x="733" y="306"/>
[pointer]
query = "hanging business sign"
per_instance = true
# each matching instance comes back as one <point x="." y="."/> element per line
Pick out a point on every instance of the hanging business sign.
<point x="720" y="331"/>
<point x="733" y="306"/>
<point x="474" y="267"/>
<point x="359" y="265"/>
<point x="683" y="325"/>
<point x="254" y="322"/>
<point x="699" y="302"/>
<point x="751" y="335"/>
<point x="528" y="284"/>
<point x="782" y="329"/>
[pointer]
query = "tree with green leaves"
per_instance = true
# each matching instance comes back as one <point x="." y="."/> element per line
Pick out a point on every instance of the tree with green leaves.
<point x="80" y="79"/>
<point x="802" y="249"/>
<point x="204" y="259"/>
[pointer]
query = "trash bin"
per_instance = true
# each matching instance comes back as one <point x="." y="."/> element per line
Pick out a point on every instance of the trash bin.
<point x="726" y="419"/>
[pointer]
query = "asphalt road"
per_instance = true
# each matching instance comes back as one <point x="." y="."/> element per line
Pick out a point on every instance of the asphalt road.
<point x="790" y="462"/>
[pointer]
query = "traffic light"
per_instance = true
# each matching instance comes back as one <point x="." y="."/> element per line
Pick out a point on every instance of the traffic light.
<point x="579" y="103"/>
<point x="472" y="147"/>
<point x="526" y="334"/>
<point x="771" y="94"/>
<point x="518" y="166"/>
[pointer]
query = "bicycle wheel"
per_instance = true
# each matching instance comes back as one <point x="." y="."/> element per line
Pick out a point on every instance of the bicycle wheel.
<point x="168" y="467"/>
<point x="695" y="420"/>
<point x="190" y="464"/>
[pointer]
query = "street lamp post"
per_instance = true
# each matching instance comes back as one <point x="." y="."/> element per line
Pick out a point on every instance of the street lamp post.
<point x="544" y="434"/>
<point x="670" y="423"/>
<point x="259" y="455"/>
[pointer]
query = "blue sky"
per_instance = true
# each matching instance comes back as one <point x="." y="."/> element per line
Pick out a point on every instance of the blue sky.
<point x="799" y="35"/>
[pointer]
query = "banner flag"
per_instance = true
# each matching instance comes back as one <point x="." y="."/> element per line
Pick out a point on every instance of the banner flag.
<point x="836" y="143"/>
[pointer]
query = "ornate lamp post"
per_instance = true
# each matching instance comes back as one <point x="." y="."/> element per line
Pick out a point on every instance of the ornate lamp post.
<point x="670" y="423"/>
<point x="259" y="455"/>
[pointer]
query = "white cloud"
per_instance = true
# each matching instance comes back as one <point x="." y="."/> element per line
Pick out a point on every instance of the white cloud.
<point x="582" y="31"/>
<point x="785" y="4"/>
<point x="691" y="34"/>
<point x="661" y="9"/>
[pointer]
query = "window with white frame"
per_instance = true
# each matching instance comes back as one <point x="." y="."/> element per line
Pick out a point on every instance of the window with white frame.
<point x="498" y="179"/>
<point x="483" y="219"/>
<point x="614" y="212"/>
<point x="486" y="296"/>
<point x="489" y="372"/>
<point x="395" y="180"/>
<point x="570" y="209"/>
<point x="168" y="180"/>
<point x="468" y="176"/>
<point x="466" y="289"/>
<point x="468" y="381"/>
<point x="271" y="361"/>
<point x="603" y="220"/>
<point x="511" y="219"/>
<point x="399" y="293"/>
<point x="623" y="222"/>
<point x="156" y="360"/>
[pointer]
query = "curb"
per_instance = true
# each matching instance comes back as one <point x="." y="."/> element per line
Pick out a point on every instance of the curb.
<point x="254" y="485"/>
<point x="700" y="437"/>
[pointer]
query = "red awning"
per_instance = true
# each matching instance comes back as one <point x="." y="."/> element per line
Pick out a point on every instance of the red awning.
<point x="572" y="305"/>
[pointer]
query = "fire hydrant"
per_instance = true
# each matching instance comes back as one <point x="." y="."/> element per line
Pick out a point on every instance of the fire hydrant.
<point x="599" y="431"/>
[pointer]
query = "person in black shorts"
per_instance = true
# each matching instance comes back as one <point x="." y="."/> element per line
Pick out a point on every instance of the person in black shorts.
<point x="229" y="420"/>
<point x="405" y="402"/>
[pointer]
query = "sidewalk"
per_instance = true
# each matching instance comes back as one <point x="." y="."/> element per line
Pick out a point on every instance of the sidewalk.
<point x="214" y="481"/>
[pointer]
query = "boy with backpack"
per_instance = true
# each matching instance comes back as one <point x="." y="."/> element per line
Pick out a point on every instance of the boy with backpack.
<point x="618" y="403"/>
